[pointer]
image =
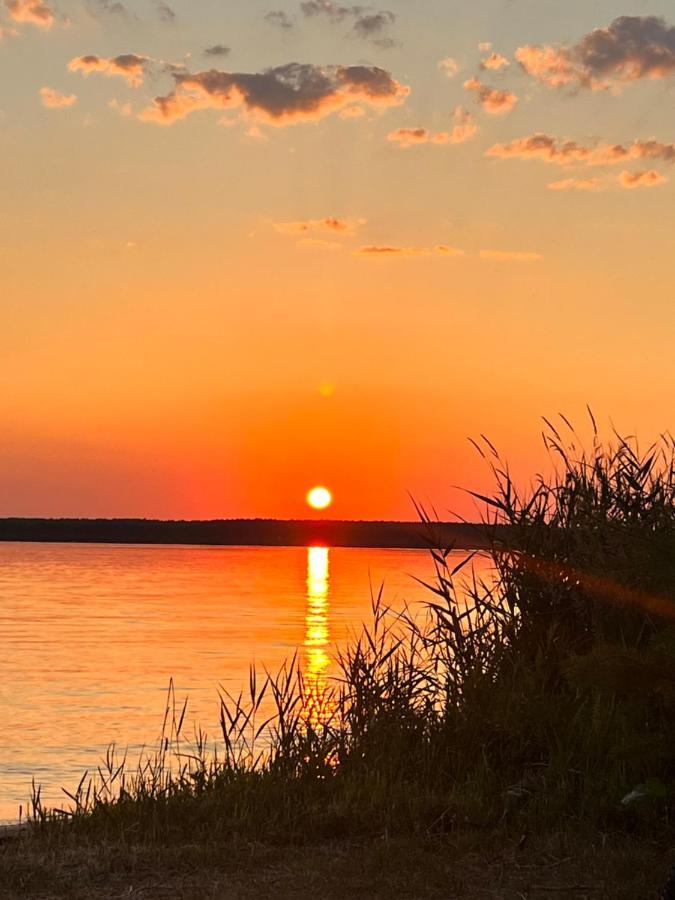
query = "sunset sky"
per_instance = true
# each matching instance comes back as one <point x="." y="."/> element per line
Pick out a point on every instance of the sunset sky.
<point x="248" y="248"/>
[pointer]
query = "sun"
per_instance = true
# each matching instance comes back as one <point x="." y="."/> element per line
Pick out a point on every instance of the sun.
<point x="319" y="498"/>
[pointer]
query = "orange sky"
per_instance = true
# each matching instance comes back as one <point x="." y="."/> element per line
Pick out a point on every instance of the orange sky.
<point x="199" y="237"/>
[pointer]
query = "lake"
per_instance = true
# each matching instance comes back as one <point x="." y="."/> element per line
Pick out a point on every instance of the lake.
<point x="90" y="636"/>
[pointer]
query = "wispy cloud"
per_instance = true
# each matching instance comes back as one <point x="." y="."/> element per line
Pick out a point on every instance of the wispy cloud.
<point x="123" y="109"/>
<point x="464" y="125"/>
<point x="449" y="67"/>
<point x="510" y="256"/>
<point x="279" y="19"/>
<point x="393" y="252"/>
<point x="592" y="185"/>
<point x="626" y="180"/>
<point x="368" y="24"/>
<point x="410" y="137"/>
<point x="165" y="12"/>
<point x="329" y="224"/>
<point x="114" y="7"/>
<point x="494" y="101"/>
<point x="630" y="48"/>
<point x="567" y="152"/>
<point x="464" y="128"/>
<point x="53" y="99"/>
<point x="279" y="96"/>
<point x="128" y="66"/>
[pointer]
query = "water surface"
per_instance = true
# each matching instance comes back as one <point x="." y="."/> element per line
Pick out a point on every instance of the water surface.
<point x="90" y="636"/>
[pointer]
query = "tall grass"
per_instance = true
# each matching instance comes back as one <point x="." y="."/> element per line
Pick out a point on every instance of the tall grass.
<point x="548" y="696"/>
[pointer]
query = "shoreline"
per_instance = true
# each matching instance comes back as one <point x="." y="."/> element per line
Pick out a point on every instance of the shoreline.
<point x="249" y="533"/>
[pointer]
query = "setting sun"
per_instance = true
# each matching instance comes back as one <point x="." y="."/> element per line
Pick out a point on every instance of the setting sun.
<point x="319" y="498"/>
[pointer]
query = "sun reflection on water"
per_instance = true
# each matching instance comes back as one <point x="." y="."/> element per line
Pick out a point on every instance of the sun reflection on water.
<point x="317" y="635"/>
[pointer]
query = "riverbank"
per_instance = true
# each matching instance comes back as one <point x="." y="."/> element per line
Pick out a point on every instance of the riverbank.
<point x="464" y="866"/>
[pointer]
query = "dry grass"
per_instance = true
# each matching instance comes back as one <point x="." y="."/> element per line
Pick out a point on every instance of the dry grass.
<point x="479" y="867"/>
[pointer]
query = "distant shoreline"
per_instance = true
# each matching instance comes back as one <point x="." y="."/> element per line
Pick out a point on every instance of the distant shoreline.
<point x="247" y="532"/>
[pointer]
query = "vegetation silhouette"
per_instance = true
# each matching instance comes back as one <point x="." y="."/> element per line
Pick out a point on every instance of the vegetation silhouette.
<point x="543" y="706"/>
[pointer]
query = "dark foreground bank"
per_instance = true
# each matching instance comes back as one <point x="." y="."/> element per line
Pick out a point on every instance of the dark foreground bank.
<point x="247" y="532"/>
<point x="473" y="866"/>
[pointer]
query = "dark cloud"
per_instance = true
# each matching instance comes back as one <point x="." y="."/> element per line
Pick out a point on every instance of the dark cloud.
<point x="281" y="95"/>
<point x="279" y="19"/>
<point x="218" y="50"/>
<point x="386" y="43"/>
<point x="370" y="25"/>
<point x="631" y="48"/>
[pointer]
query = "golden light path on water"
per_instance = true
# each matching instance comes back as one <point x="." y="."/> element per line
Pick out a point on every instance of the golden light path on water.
<point x="317" y="635"/>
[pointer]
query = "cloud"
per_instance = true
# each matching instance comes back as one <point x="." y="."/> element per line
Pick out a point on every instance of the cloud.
<point x="165" y="12"/>
<point x="449" y="67"/>
<point x="485" y="46"/>
<point x="128" y="66"/>
<point x="464" y="128"/>
<point x="496" y="102"/>
<point x="369" y="24"/>
<point x="509" y="256"/>
<point x="649" y="178"/>
<point x="552" y="150"/>
<point x="53" y="99"/>
<point x="626" y="180"/>
<point x="495" y="62"/>
<point x="576" y="184"/>
<point x="279" y="19"/>
<point x="408" y="137"/>
<point x="332" y="11"/>
<point x="329" y="225"/>
<point x="35" y="12"/>
<point x="123" y="109"/>
<point x="281" y="95"/>
<point x="630" y="48"/>
<point x="114" y="7"/>
<point x="217" y="50"/>
<point x="389" y="252"/>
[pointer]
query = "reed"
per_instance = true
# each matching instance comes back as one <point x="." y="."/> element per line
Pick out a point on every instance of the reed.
<point x="548" y="697"/>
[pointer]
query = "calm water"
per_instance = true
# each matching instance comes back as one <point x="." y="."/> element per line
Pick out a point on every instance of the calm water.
<point x="91" y="635"/>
